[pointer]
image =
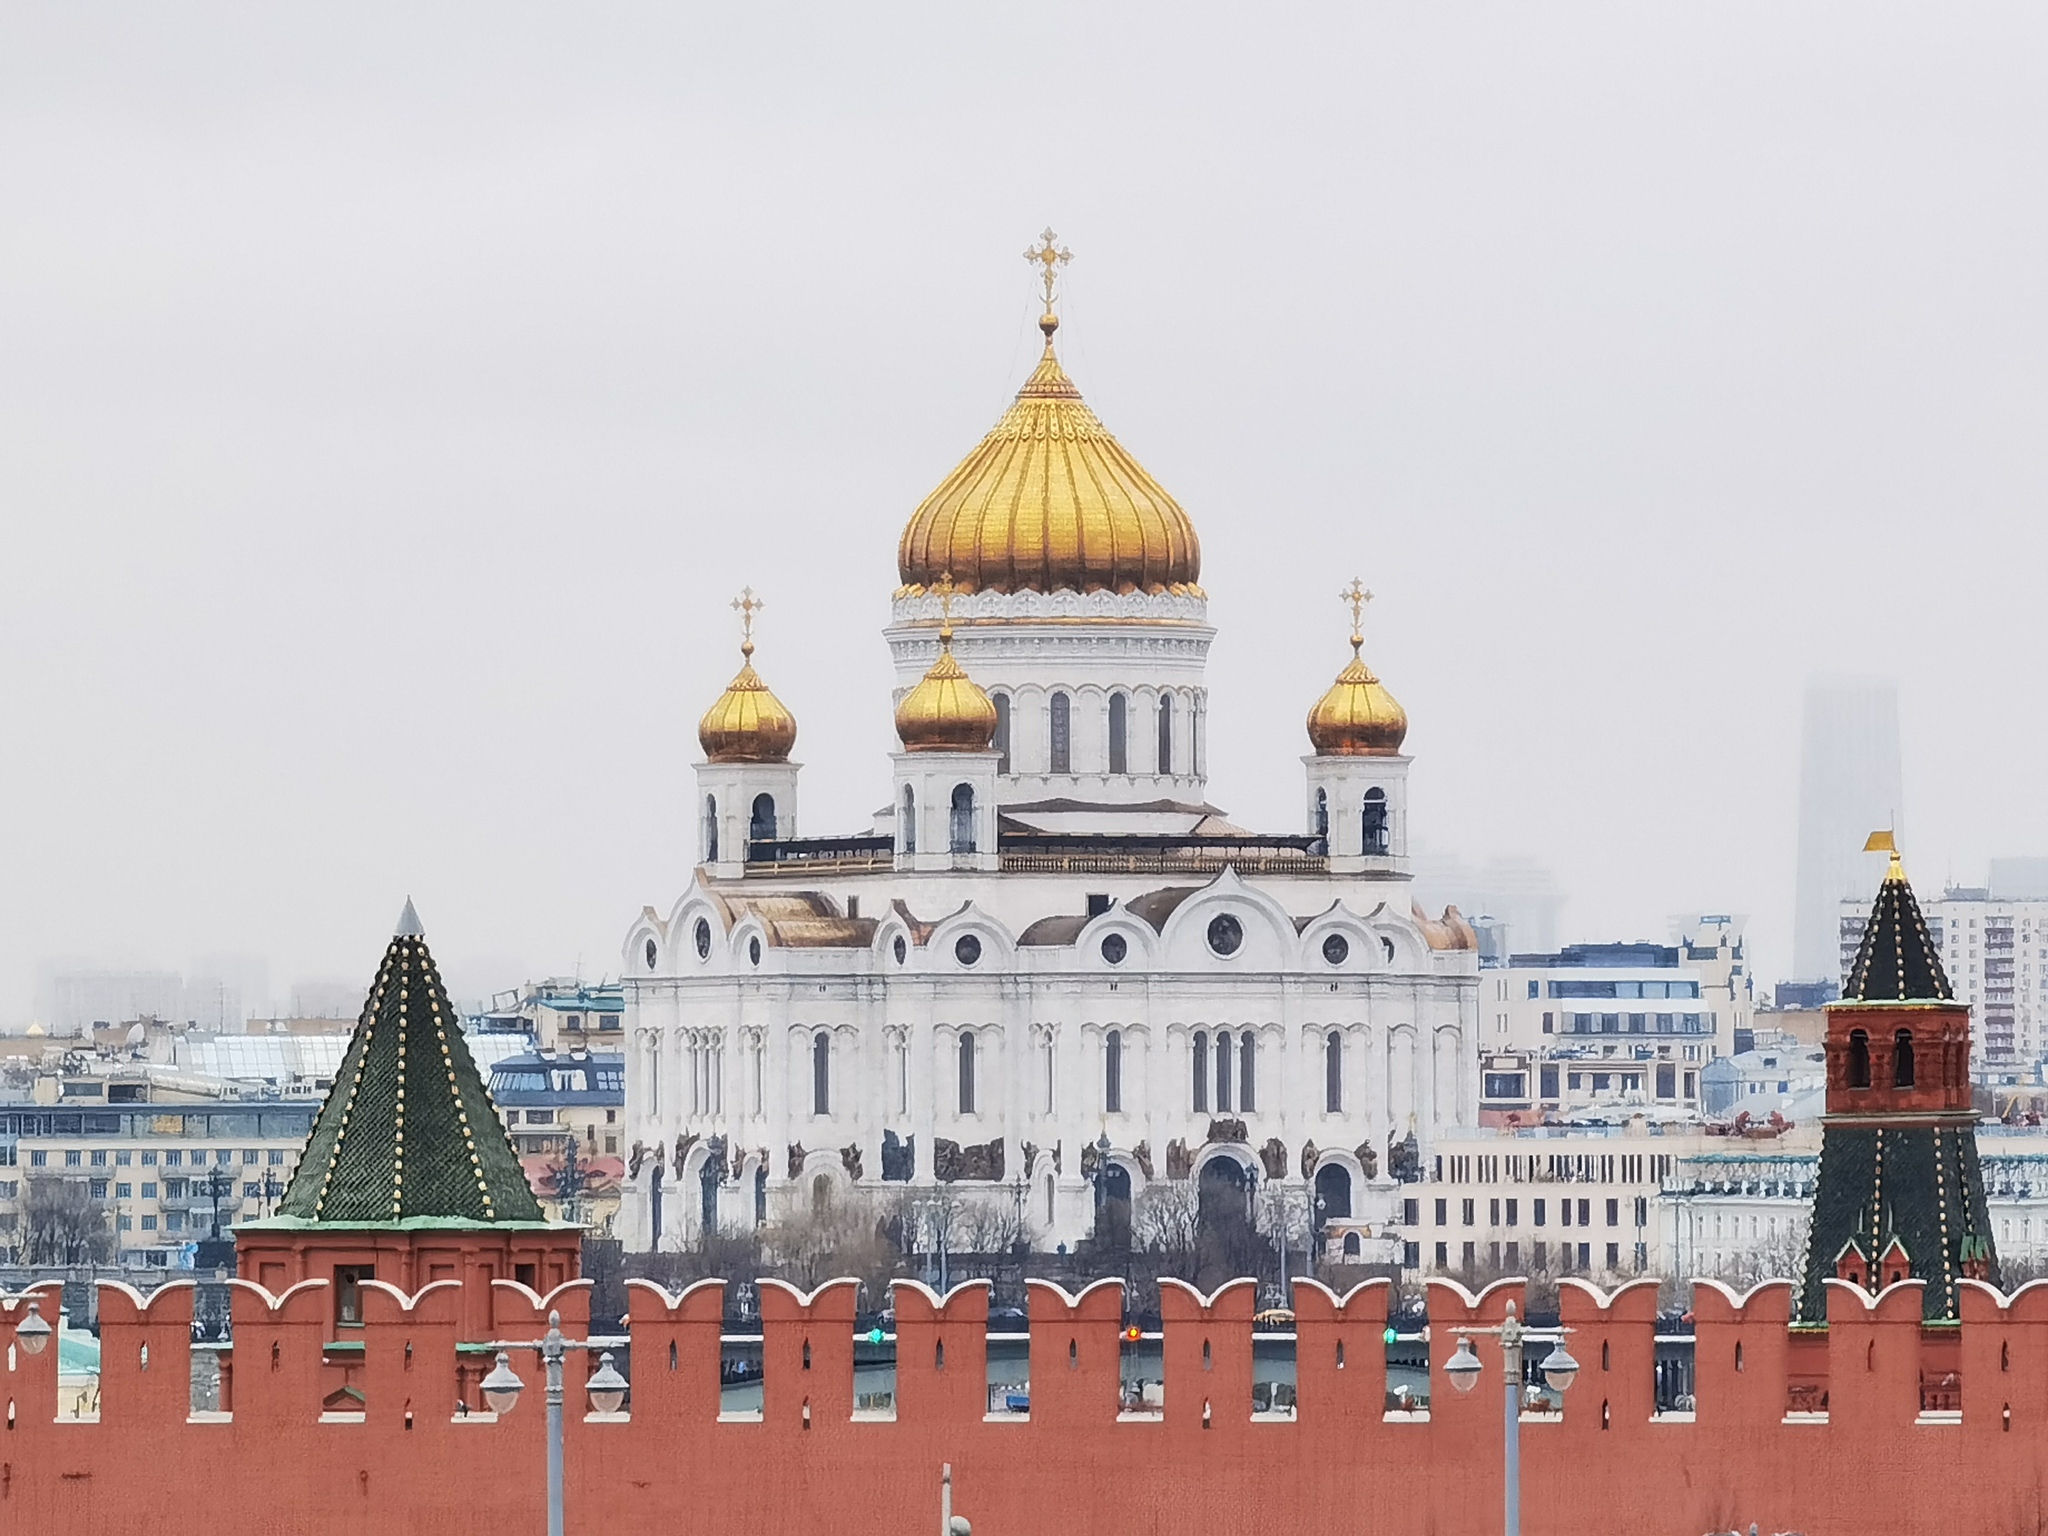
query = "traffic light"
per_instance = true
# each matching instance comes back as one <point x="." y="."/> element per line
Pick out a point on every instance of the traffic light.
<point x="1134" y="1333"/>
<point x="1389" y="1335"/>
<point x="875" y="1334"/>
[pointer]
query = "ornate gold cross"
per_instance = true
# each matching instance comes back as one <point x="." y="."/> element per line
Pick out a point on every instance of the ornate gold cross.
<point x="1050" y="256"/>
<point x="1357" y="597"/>
<point x="944" y="588"/>
<point x="746" y="605"/>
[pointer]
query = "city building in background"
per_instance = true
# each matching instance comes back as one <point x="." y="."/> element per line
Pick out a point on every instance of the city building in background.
<point x="561" y="1013"/>
<point x="1849" y="782"/>
<point x="565" y="1113"/>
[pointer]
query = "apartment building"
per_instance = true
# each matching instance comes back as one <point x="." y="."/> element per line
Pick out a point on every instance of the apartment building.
<point x="1994" y="948"/>
<point x="1578" y="1199"/>
<point x="154" y="1170"/>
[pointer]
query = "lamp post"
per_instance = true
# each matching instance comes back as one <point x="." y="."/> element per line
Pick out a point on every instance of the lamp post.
<point x="607" y="1389"/>
<point x="1559" y="1369"/>
<point x="32" y="1333"/>
<point x="950" y="1524"/>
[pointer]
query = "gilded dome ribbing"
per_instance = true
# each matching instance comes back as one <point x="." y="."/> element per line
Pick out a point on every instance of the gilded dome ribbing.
<point x="1050" y="502"/>
<point x="1357" y="717"/>
<point x="946" y="711"/>
<point x="748" y="724"/>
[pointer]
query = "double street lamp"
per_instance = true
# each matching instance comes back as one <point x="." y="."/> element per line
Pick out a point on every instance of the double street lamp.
<point x="1559" y="1369"/>
<point x="607" y="1389"/>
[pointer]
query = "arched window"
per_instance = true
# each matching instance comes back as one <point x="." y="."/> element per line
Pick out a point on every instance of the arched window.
<point x="1333" y="1074"/>
<point x="1222" y="1071"/>
<point x="1859" y="1059"/>
<point x="821" y="1073"/>
<point x="1374" y="826"/>
<point x="906" y="833"/>
<point x="707" y="1183"/>
<point x="1352" y="1246"/>
<point x="1902" y="1059"/>
<point x="963" y="818"/>
<point x="1113" y="1072"/>
<point x="1119" y="733"/>
<point x="1061" y="731"/>
<point x="761" y="827"/>
<point x="966" y="1073"/>
<point x="1166" y="733"/>
<point x="1247" y="1068"/>
<point x="1323" y="815"/>
<point x="710" y="829"/>
<point x="1200" y="1049"/>
<point x="1002" y="741"/>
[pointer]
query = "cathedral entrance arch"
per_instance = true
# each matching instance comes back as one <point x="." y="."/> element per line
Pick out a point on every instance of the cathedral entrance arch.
<point x="1227" y="1242"/>
<point x="1333" y="1193"/>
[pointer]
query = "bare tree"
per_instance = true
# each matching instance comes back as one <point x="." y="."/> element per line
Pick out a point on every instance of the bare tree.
<point x="61" y="1223"/>
<point x="1166" y="1222"/>
<point x="845" y="1236"/>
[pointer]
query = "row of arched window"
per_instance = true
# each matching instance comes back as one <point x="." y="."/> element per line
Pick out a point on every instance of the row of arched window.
<point x="1859" y="1059"/>
<point x="1375" y="829"/>
<point x="1059" y="715"/>
<point x="760" y="824"/>
<point x="1225" y="1071"/>
<point x="960" y="820"/>
<point x="1241" y="1095"/>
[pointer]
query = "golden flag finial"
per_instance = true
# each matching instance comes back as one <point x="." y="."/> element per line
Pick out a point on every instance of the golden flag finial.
<point x="1357" y="597"/>
<point x="746" y="605"/>
<point x="1050" y="256"/>
<point x="1885" y="842"/>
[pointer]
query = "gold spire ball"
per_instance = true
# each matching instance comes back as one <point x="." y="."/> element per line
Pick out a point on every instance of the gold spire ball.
<point x="748" y="724"/>
<point x="1357" y="717"/>
<point x="1050" y="502"/>
<point x="946" y="711"/>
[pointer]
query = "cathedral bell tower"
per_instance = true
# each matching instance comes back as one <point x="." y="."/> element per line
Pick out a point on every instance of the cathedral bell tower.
<point x="1900" y="1194"/>
<point x="945" y="800"/>
<point x="746" y="785"/>
<point x="1357" y="777"/>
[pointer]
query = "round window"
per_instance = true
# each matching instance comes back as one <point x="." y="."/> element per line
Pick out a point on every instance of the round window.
<point x="1226" y="934"/>
<point x="902" y="950"/>
<point x="967" y="950"/>
<point x="703" y="937"/>
<point x="1114" y="948"/>
<point x="652" y="952"/>
<point x="1336" y="949"/>
<point x="754" y="951"/>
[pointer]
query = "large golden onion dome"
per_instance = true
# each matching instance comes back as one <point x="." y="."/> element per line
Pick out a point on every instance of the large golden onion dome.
<point x="946" y="711"/>
<point x="1357" y="717"/>
<point x="748" y="724"/>
<point x="1051" y="502"/>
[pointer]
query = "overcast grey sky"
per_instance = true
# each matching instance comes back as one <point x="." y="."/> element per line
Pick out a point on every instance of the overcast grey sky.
<point x="392" y="398"/>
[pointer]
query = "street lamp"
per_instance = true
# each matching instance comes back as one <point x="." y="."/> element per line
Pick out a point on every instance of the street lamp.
<point x="950" y="1524"/>
<point x="501" y="1388"/>
<point x="1559" y="1369"/>
<point x="32" y="1333"/>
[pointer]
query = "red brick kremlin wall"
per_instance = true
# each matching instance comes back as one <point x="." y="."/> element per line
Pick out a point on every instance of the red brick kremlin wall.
<point x="1872" y="1464"/>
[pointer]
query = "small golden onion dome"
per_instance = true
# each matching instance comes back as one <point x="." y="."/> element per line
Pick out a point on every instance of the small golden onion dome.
<point x="946" y="711"/>
<point x="748" y="724"/>
<point x="1050" y="502"/>
<point x="1357" y="717"/>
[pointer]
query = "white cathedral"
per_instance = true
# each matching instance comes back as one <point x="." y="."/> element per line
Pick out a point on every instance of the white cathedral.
<point x="1051" y="971"/>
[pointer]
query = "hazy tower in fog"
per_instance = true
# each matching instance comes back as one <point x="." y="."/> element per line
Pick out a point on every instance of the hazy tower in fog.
<point x="1848" y="786"/>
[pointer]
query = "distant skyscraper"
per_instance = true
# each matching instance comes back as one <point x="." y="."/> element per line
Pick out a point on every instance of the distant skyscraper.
<point x="1849" y="786"/>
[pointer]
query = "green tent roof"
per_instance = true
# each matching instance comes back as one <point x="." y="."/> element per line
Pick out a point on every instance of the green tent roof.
<point x="408" y="1130"/>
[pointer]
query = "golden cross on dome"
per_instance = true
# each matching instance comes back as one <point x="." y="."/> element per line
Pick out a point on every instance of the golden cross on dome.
<point x="1357" y="597"/>
<point x="746" y="605"/>
<point x="1050" y="256"/>
<point x="945" y="589"/>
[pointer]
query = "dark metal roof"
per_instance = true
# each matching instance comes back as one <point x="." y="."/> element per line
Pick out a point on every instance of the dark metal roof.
<point x="1896" y="961"/>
